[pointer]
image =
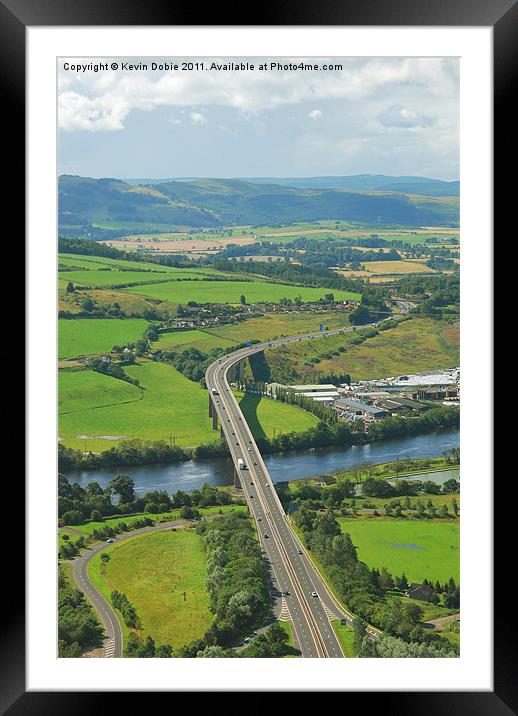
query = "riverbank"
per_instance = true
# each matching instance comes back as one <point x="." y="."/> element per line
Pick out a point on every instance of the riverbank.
<point x="323" y="435"/>
<point x="302" y="464"/>
<point x="436" y="469"/>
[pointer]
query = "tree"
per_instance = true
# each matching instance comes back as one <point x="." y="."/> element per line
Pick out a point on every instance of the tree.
<point x="360" y="632"/>
<point x="72" y="517"/>
<point x="242" y="300"/>
<point x="451" y="486"/>
<point x="124" y="487"/>
<point x="212" y="652"/>
<point x="386" y="581"/>
<point x="189" y="513"/>
<point x="70" y="287"/>
<point x="360" y="316"/>
<point x="401" y="583"/>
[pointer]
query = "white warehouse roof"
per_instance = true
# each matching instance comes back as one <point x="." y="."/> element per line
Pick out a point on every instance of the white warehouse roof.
<point x="314" y="388"/>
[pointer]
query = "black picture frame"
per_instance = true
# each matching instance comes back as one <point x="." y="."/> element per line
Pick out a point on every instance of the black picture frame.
<point x="15" y="17"/>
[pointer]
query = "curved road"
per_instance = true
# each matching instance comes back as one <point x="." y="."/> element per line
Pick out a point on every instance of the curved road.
<point x="112" y="628"/>
<point x="293" y="574"/>
<point x="310" y="603"/>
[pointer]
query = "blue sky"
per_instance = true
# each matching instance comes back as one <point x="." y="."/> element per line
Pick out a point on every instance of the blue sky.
<point x="397" y="116"/>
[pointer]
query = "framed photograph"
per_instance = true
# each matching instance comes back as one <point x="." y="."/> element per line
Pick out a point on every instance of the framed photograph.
<point x="259" y="334"/>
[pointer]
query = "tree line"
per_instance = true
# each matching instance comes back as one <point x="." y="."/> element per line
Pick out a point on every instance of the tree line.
<point x="365" y="591"/>
<point x="77" y="504"/>
<point x="79" y="628"/>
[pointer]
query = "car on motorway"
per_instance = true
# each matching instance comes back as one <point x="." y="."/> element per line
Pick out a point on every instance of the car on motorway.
<point x="259" y="519"/>
<point x="251" y="482"/>
<point x="285" y="593"/>
<point x="299" y="551"/>
<point x="314" y="594"/>
<point x="249" y="449"/>
<point x="251" y="497"/>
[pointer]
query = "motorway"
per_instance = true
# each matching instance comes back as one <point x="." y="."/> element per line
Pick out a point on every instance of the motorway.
<point x="294" y="577"/>
<point x="308" y="599"/>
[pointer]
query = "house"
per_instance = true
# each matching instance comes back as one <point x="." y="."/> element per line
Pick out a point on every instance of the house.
<point x="420" y="591"/>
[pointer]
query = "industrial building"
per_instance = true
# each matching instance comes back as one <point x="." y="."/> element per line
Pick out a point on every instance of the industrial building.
<point x="325" y="393"/>
<point x="354" y="407"/>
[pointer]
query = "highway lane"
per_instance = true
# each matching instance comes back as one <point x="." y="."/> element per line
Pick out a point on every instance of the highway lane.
<point x="267" y="521"/>
<point x="294" y="572"/>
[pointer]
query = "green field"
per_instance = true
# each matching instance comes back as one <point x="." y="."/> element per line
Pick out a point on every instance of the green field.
<point x="99" y="278"/>
<point x="83" y="390"/>
<point x="260" y="328"/>
<point x="163" y="576"/>
<point x="169" y="407"/>
<point x="96" y="262"/>
<point x="87" y="336"/>
<point x="267" y="418"/>
<point x="172" y="407"/>
<point x="422" y="550"/>
<point x="192" y="338"/>
<point x="273" y="325"/>
<point x="414" y="345"/>
<point x="346" y="638"/>
<point x="172" y="516"/>
<point x="231" y="291"/>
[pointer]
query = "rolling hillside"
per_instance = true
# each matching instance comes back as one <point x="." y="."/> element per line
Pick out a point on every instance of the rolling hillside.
<point x="111" y="205"/>
<point x="370" y="182"/>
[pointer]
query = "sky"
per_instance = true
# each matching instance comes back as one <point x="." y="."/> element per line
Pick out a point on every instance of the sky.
<point x="395" y="116"/>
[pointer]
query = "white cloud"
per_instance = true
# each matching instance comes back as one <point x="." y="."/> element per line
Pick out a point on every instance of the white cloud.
<point x="398" y="116"/>
<point x="315" y="114"/>
<point x="198" y="118"/>
<point x="101" y="101"/>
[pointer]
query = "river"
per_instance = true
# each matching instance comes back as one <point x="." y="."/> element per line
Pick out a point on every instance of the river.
<point x="191" y="475"/>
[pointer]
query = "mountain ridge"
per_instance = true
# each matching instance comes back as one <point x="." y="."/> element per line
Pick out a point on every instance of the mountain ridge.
<point x="204" y="203"/>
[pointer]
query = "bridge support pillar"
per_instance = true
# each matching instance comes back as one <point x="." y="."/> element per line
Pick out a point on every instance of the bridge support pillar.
<point x="222" y="434"/>
<point x="214" y="420"/>
<point x="237" y="480"/>
<point x="211" y="406"/>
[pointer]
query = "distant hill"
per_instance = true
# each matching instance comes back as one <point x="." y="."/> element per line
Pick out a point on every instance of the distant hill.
<point x="370" y="182"/>
<point x="118" y="206"/>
